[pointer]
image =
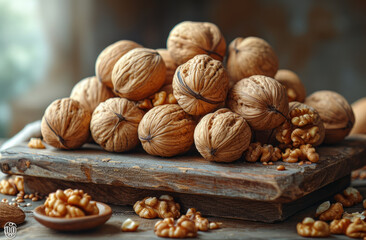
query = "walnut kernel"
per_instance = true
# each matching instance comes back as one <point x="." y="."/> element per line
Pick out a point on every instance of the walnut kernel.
<point x="339" y="226"/>
<point x="357" y="229"/>
<point x="36" y="143"/>
<point x="349" y="197"/>
<point x="310" y="228"/>
<point x="152" y="207"/>
<point x="8" y="187"/>
<point x="263" y="153"/>
<point x="129" y="225"/>
<point x="184" y="227"/>
<point x="334" y="212"/>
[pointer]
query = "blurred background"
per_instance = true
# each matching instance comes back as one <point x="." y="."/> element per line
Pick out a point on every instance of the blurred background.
<point x="46" y="46"/>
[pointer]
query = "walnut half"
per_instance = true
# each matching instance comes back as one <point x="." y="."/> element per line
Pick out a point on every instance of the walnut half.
<point x="184" y="227"/>
<point x="357" y="229"/>
<point x="349" y="197"/>
<point x="152" y="207"/>
<point x="310" y="228"/>
<point x="263" y="153"/>
<point x="339" y="226"/>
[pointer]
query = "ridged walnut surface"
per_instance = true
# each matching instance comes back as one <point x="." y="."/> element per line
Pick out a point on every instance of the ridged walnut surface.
<point x="114" y="124"/>
<point x="295" y="89"/>
<point x="170" y="65"/>
<point x="222" y="136"/>
<point x="138" y="74"/>
<point x="336" y="113"/>
<point x="261" y="100"/>
<point x="188" y="39"/>
<point x="359" y="110"/>
<point x="108" y="58"/>
<point x="89" y="92"/>
<point x="65" y="124"/>
<point x="200" y="85"/>
<point x="166" y="130"/>
<point x="251" y="56"/>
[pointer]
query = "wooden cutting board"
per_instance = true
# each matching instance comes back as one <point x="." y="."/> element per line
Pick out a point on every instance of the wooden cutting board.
<point x="236" y="190"/>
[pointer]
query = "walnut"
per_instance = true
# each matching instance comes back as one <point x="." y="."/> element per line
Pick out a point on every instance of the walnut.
<point x="170" y="65"/>
<point x="295" y="88"/>
<point x="166" y="130"/>
<point x="19" y="183"/>
<point x="251" y="56"/>
<point x="138" y="74"/>
<point x="263" y="153"/>
<point x="108" y="58"/>
<point x="89" y="92"/>
<point x="200" y="85"/>
<point x="188" y="39"/>
<point x="339" y="226"/>
<point x="114" y="124"/>
<point x="222" y="136"/>
<point x="349" y="197"/>
<point x="358" y="108"/>
<point x="202" y="224"/>
<point x="184" y="227"/>
<point x="261" y="100"/>
<point x="36" y="143"/>
<point x="65" y="124"/>
<point x="8" y="187"/>
<point x="152" y="207"/>
<point x="129" y="225"/>
<point x="335" y="211"/>
<point x="291" y="155"/>
<point x="353" y="216"/>
<point x="310" y="228"/>
<point x="357" y="229"/>
<point x="335" y="112"/>
<point x="304" y="152"/>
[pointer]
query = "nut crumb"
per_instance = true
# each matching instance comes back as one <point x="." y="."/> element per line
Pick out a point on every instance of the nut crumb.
<point x="36" y="143"/>
<point x="281" y="168"/>
<point x="129" y="225"/>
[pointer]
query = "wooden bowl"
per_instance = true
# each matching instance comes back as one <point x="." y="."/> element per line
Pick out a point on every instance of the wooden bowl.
<point x="74" y="224"/>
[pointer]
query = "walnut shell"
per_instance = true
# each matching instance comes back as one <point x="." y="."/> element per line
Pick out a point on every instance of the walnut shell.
<point x="261" y="100"/>
<point x="359" y="109"/>
<point x="336" y="113"/>
<point x="295" y="89"/>
<point x="251" y="56"/>
<point x="114" y="124"/>
<point x="170" y="65"/>
<point x="65" y="124"/>
<point x="200" y="85"/>
<point x="138" y="74"/>
<point x="108" y="58"/>
<point x="222" y="136"/>
<point x="89" y="92"/>
<point x="166" y="130"/>
<point x="188" y="39"/>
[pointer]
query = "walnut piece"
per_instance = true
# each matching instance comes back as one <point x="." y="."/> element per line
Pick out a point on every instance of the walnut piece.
<point x="357" y="229"/>
<point x="349" y="197"/>
<point x="339" y="226"/>
<point x="19" y="183"/>
<point x="129" y="225"/>
<point x="322" y="208"/>
<point x="202" y="224"/>
<point x="184" y="227"/>
<point x="152" y="207"/>
<point x="310" y="228"/>
<point x="8" y="187"/>
<point x="335" y="211"/>
<point x="305" y="152"/>
<point x="353" y="216"/>
<point x="36" y="143"/>
<point x="295" y="88"/>
<point x="263" y="153"/>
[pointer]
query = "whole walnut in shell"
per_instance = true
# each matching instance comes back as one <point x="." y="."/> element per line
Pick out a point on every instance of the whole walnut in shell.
<point x="89" y="92"/>
<point x="200" y="85"/>
<point x="188" y="39"/>
<point x="108" y="58"/>
<point x="336" y="113"/>
<point x="295" y="89"/>
<point x="170" y="65"/>
<point x="251" y="56"/>
<point x="261" y="100"/>
<point x="65" y="124"/>
<point x="222" y="136"/>
<point x="166" y="130"/>
<point x="138" y="74"/>
<point x="359" y="109"/>
<point x="114" y="124"/>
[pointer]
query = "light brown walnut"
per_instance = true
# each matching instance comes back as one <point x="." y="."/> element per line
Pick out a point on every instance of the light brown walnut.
<point x="291" y="155"/>
<point x="170" y="65"/>
<point x="183" y="228"/>
<point x="349" y="197"/>
<point x="295" y="88"/>
<point x="310" y="228"/>
<point x="8" y="187"/>
<point x="357" y="229"/>
<point x="304" y="152"/>
<point x="129" y="225"/>
<point x="19" y="183"/>
<point x="358" y="108"/>
<point x="152" y="207"/>
<point x="36" y="143"/>
<point x="334" y="212"/>
<point x="339" y="226"/>
<point x="263" y="153"/>
<point x="202" y="224"/>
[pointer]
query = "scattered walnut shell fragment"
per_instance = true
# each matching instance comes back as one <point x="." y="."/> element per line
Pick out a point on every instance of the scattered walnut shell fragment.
<point x="170" y="65"/>
<point x="36" y="143"/>
<point x="359" y="111"/>
<point x="129" y="225"/>
<point x="310" y="228"/>
<point x="335" y="112"/>
<point x="295" y="88"/>
<point x="349" y="197"/>
<point x="263" y="153"/>
<point x="188" y="39"/>
<point x="357" y="229"/>
<point x="152" y="207"/>
<point x="251" y="56"/>
<point x="108" y="58"/>
<point x="222" y="136"/>
<point x="339" y="226"/>
<point x="334" y="211"/>
<point x="200" y="85"/>
<point x="304" y="152"/>
<point x="261" y="100"/>
<point x="183" y="228"/>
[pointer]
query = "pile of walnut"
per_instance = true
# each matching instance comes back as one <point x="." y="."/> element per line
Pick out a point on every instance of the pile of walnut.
<point x="341" y="222"/>
<point x="169" y="99"/>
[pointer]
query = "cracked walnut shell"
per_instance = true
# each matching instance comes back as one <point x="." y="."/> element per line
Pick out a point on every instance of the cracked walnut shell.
<point x="183" y="228"/>
<point x="295" y="88"/>
<point x="152" y="207"/>
<point x="335" y="112"/>
<point x="114" y="124"/>
<point x="138" y="74"/>
<point x="261" y="100"/>
<point x="188" y="39"/>
<point x="200" y="85"/>
<point x="170" y="65"/>
<point x="166" y="130"/>
<point x="251" y="56"/>
<point x="310" y="228"/>
<point x="65" y="124"/>
<point x="222" y="136"/>
<point x="89" y="92"/>
<point x="108" y="58"/>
